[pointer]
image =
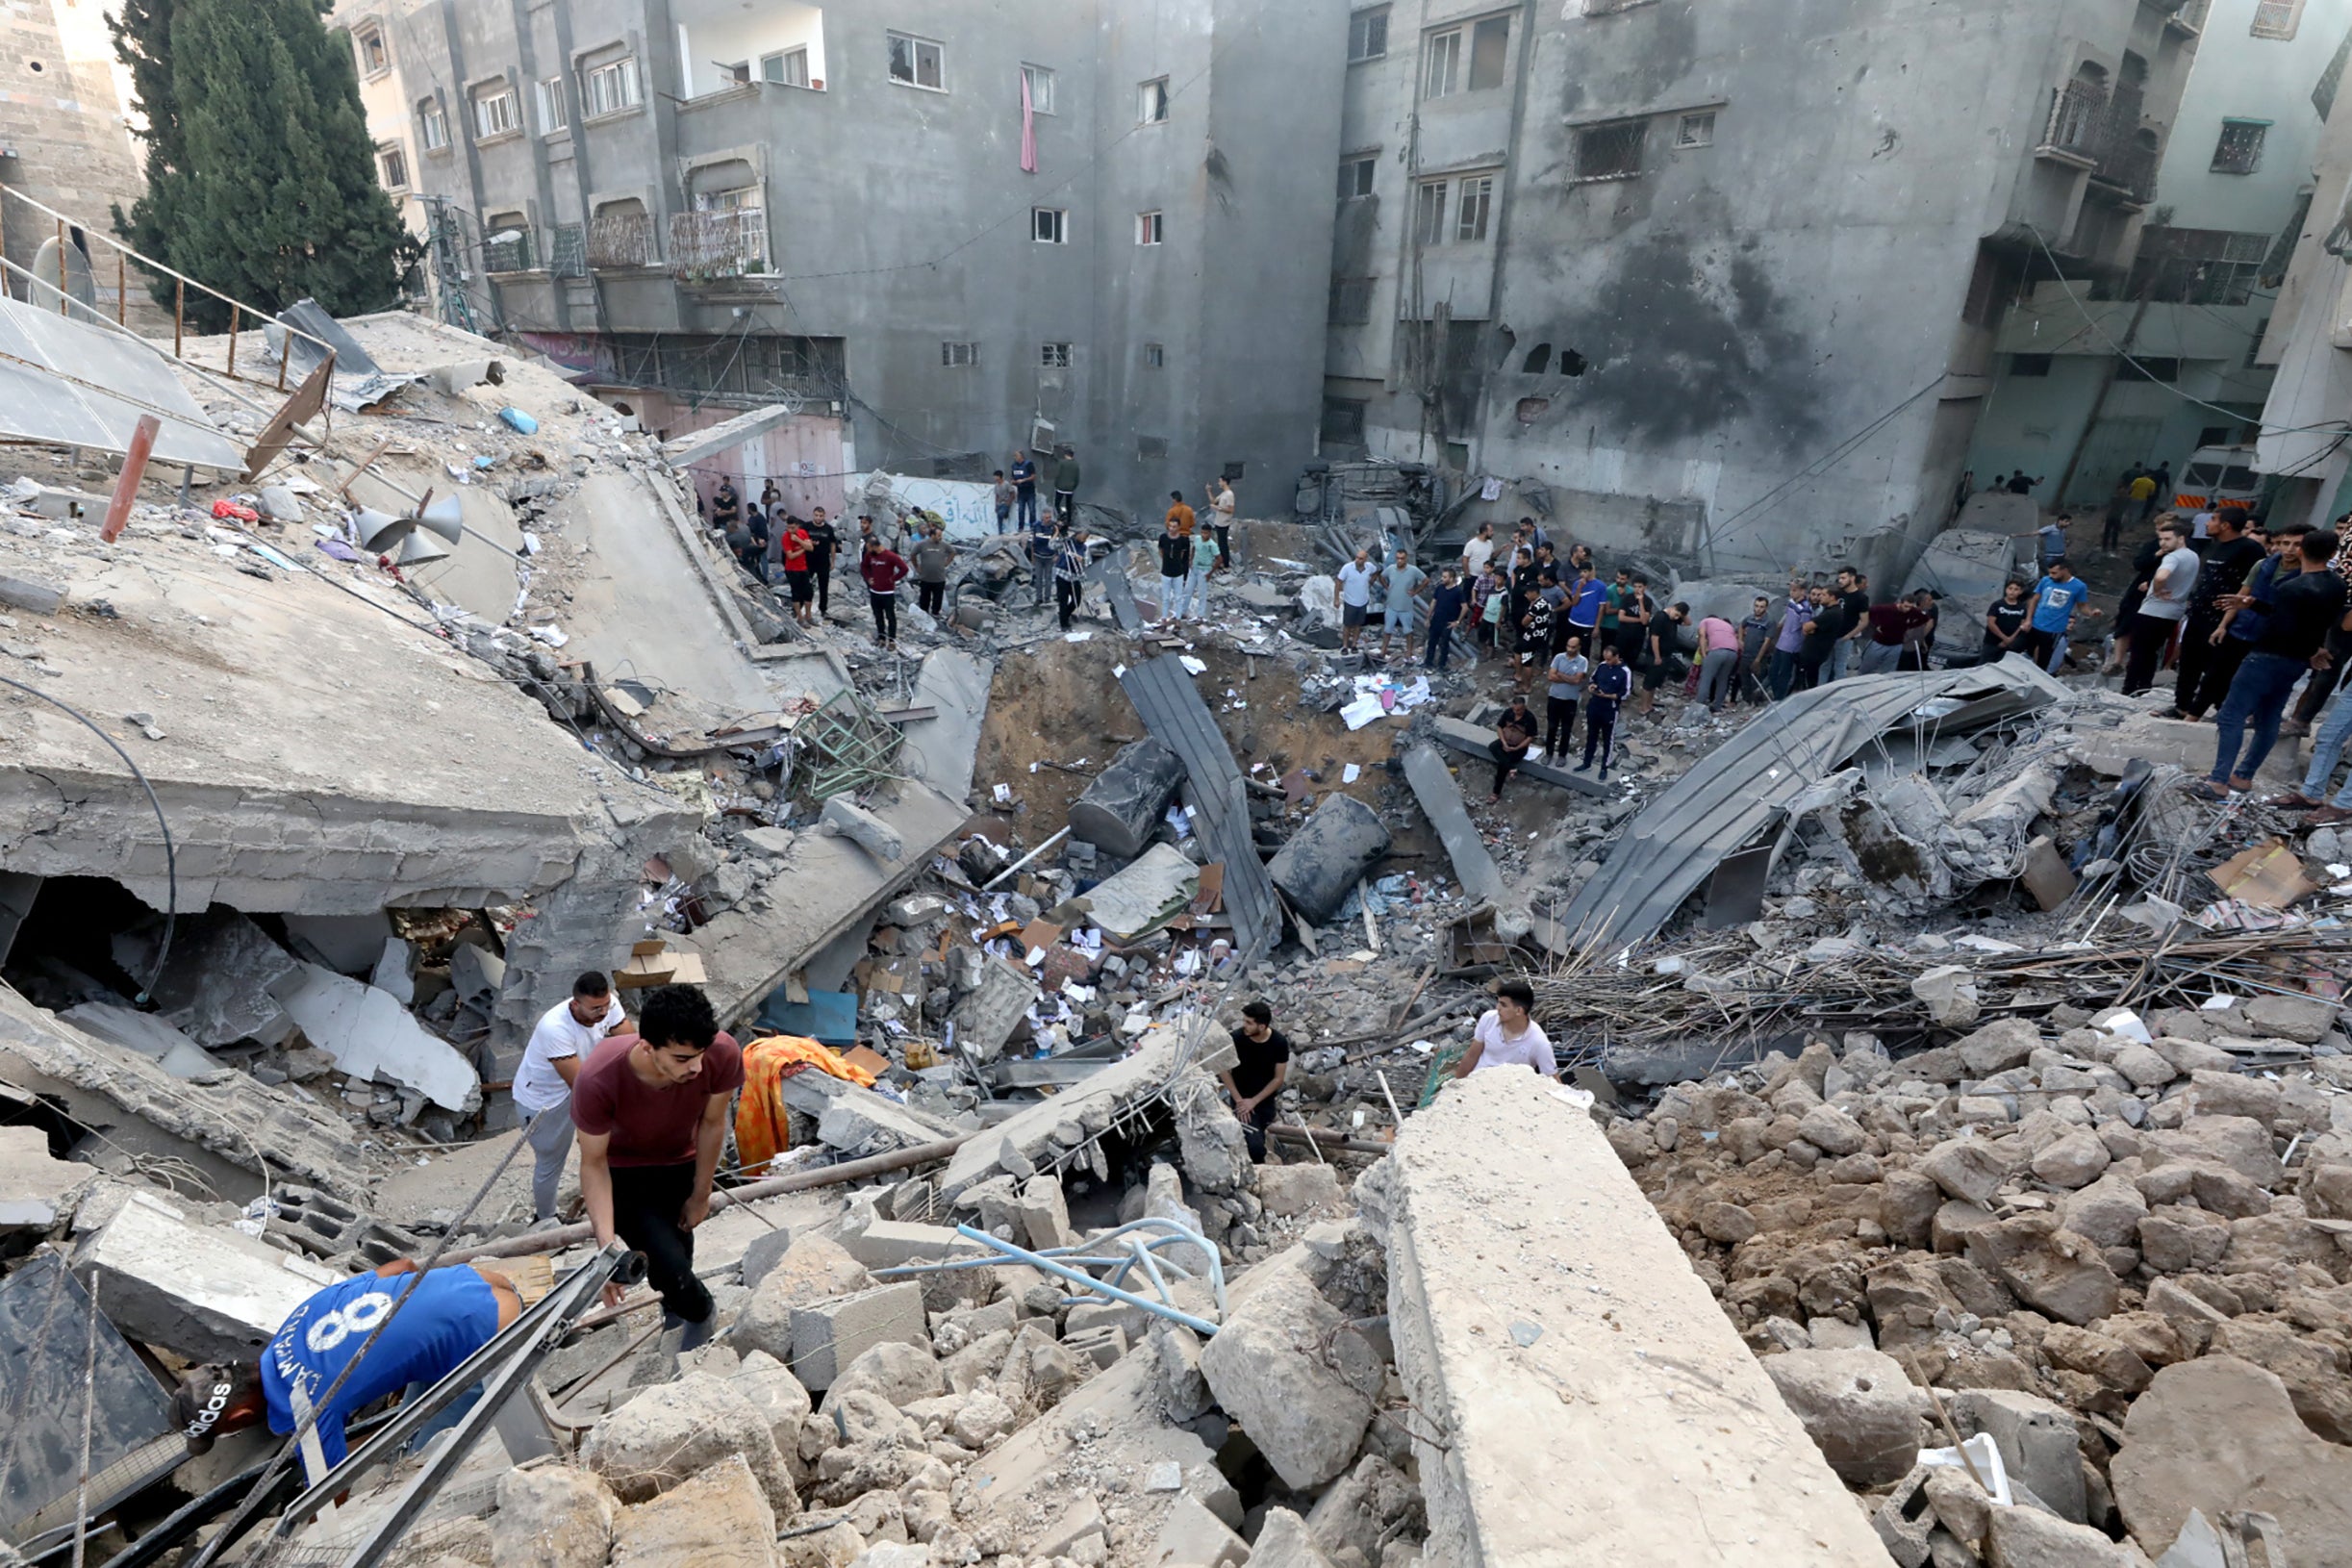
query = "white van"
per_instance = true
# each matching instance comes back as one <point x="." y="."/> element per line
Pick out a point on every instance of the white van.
<point x="2219" y="476"/>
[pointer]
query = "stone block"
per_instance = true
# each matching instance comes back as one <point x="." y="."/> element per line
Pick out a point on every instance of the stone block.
<point x="826" y="1336"/>
<point x="2037" y="1439"/>
<point x="1044" y="1212"/>
<point x="1191" y="1536"/>
<point x="1858" y="1407"/>
<point x="1181" y="1385"/>
<point x="986" y="1017"/>
<point x="766" y="1251"/>
<point x="202" y="1292"/>
<point x="720" y="1519"/>
<point x="1103" y="1344"/>
<point x="553" y="1516"/>
<point x="1289" y="1191"/>
<point x="1284" y="1541"/>
<point x="1303" y="1416"/>
<point x="673" y="1432"/>
<point x="889" y="1244"/>
<point x="845" y="819"/>
<point x="899" y="1370"/>
<point x="1968" y="1169"/>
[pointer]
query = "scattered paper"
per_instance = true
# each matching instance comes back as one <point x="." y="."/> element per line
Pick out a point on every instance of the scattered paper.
<point x="1192" y="665"/>
<point x="1351" y="774"/>
<point x="1003" y="793"/>
<point x="1078" y="637"/>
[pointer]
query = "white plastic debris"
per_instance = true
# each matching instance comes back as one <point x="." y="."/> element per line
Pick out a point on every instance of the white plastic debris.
<point x="1987" y="1461"/>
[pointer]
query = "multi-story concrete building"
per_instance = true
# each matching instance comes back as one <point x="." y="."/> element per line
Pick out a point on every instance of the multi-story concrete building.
<point x="1719" y="283"/>
<point x="944" y="231"/>
<point x="2097" y="374"/>
<point x="2305" y="448"/>
<point x="385" y="98"/>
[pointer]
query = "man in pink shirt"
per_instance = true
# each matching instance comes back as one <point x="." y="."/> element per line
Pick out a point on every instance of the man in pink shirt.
<point x="1718" y="662"/>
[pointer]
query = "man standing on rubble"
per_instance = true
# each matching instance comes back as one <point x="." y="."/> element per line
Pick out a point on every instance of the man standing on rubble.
<point x="1718" y="661"/>
<point x="2161" y="612"/>
<point x="2225" y="562"/>
<point x="1789" y="642"/>
<point x="1066" y="478"/>
<point x="1260" y="1068"/>
<point x="1070" y="565"/>
<point x="1025" y="489"/>
<point x="1352" y="597"/>
<point x="1477" y="551"/>
<point x="1404" y="580"/>
<point x="551" y="1062"/>
<point x="824" y="541"/>
<point x="2057" y="599"/>
<point x="652" y="1113"/>
<point x="883" y="570"/>
<point x="1507" y="1035"/>
<point x="1222" y="502"/>
<point x="797" y="573"/>
<point x="1823" y="628"/>
<point x="1612" y="682"/>
<point x="1755" y="650"/>
<point x="1175" y="568"/>
<point x="1446" y="606"/>
<point x="2293" y="640"/>
<point x="726" y="506"/>
<point x="933" y="558"/>
<point x="1854" y="622"/>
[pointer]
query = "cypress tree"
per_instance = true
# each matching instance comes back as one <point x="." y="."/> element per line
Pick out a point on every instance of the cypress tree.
<point x="261" y="174"/>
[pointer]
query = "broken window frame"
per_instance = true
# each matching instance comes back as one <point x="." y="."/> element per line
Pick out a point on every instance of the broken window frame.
<point x="1622" y="160"/>
<point x="1050" y="225"/>
<point x="1152" y="102"/>
<point x="1474" y="200"/>
<point x="1367" y="34"/>
<point x="1430" y="212"/>
<point x="2238" y="149"/>
<point x="1356" y="176"/>
<point x="1489" y="65"/>
<point x="1054" y="355"/>
<point x="909" y="57"/>
<point x="1441" y="58"/>
<point x="959" y="356"/>
<point x="372" y="50"/>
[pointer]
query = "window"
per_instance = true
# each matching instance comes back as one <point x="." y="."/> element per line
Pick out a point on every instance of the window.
<point x="1343" y="420"/>
<point x="374" y="58"/>
<point x="1050" y="225"/>
<point x="2239" y="151"/>
<point x="1351" y="301"/>
<point x="1041" y="88"/>
<point x="1695" y="130"/>
<point x="1490" y="45"/>
<point x="1054" y="355"/>
<point x="1610" y="152"/>
<point x="2196" y="267"/>
<point x="2277" y="18"/>
<point x="1151" y="448"/>
<point x="2215" y="435"/>
<point x="2029" y="365"/>
<point x="612" y="86"/>
<point x="1457" y="456"/>
<point x="1368" y="34"/>
<point x="1156" y="356"/>
<point x="393" y="164"/>
<point x="1607" y="7"/>
<point x="789" y="69"/>
<point x="1149" y="228"/>
<point x="506" y="243"/>
<point x="1151" y="101"/>
<point x="494" y="113"/>
<point x="1474" y="197"/>
<point x="433" y="125"/>
<point x="548" y="98"/>
<point x="1441" y="60"/>
<point x="959" y="356"/>
<point x="918" y="62"/>
<point x="1355" y="177"/>
<point x="2143" y="367"/>
<point x="1429" y="214"/>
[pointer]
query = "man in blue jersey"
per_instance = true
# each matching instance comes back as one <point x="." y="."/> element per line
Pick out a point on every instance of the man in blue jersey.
<point x="455" y="1313"/>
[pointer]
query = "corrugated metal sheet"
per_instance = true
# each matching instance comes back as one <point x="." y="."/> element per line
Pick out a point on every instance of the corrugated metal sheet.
<point x="1743" y="788"/>
<point x="1172" y="709"/>
<point x="70" y="384"/>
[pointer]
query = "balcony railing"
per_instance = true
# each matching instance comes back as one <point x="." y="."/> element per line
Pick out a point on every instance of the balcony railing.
<point x="621" y="240"/>
<point x="568" y="255"/>
<point x="724" y="243"/>
<point x="509" y="250"/>
<point x="2078" y="120"/>
<point x="2129" y="166"/>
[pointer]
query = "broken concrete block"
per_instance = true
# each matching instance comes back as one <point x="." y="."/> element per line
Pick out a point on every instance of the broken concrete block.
<point x="812" y="1268"/>
<point x="371" y="1036"/>
<point x="676" y="1430"/>
<point x="2037" y="1441"/>
<point x="35" y="1189"/>
<point x="553" y="1516"/>
<point x="216" y="979"/>
<point x="148" y="1034"/>
<point x="722" y="1518"/>
<point x="2029" y="1538"/>
<point x="1122" y="807"/>
<point x="392" y="975"/>
<point x="1181" y="1385"/>
<point x="475" y="972"/>
<point x="1321" y="863"/>
<point x="764" y="1253"/>
<point x="889" y="1244"/>
<point x="1101" y="1343"/>
<point x="347" y="944"/>
<point x="1193" y="1537"/>
<point x="1970" y="1169"/>
<point x="1284" y="1541"/>
<point x="986" y="1017"/>
<point x="1440" y="795"/>
<point x="776" y="1395"/>
<point x="1044" y="1213"/>
<point x="1300" y="1411"/>
<point x="49" y="1343"/>
<point x="1289" y="1191"/>
<point x="1950" y="992"/>
<point x="845" y="819"/>
<point x="202" y="1292"/>
<point x="1858" y="1407"/>
<point x="826" y="1336"/>
<point x="899" y="1370"/>
<point x="27" y="593"/>
<point x="2220" y="1435"/>
<point x="1210" y="1141"/>
<point x="2046" y="876"/>
<point x="768" y="842"/>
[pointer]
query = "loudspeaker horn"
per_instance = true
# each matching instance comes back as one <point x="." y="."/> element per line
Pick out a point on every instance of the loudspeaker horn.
<point x="415" y="550"/>
<point x="380" y="531"/>
<point x="445" y="516"/>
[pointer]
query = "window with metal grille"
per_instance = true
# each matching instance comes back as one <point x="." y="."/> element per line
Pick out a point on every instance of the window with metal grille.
<point x="2276" y="19"/>
<point x="1355" y="177"/>
<point x="506" y="243"/>
<point x="2196" y="267"/>
<point x="1151" y="228"/>
<point x="1475" y="196"/>
<point x="1610" y="152"/>
<point x="433" y="126"/>
<point x="2239" y="150"/>
<point x="1430" y="212"/>
<point x="1343" y="420"/>
<point x="611" y="88"/>
<point x="1151" y="448"/>
<point x="494" y="113"/>
<point x="1368" y="34"/>
<point x="392" y="164"/>
<point x="789" y="69"/>
<point x="918" y="62"/>
<point x="1151" y="101"/>
<point x="1156" y="356"/>
<point x="959" y="356"/>
<point x="2141" y="367"/>
<point x="568" y="253"/>
<point x="1048" y="225"/>
<point x="1441" y="62"/>
<point x="1351" y="301"/>
<point x="1695" y="130"/>
<point x="1490" y="46"/>
<point x="2029" y="365"/>
<point x="1041" y="88"/>
<point x="1054" y="355"/>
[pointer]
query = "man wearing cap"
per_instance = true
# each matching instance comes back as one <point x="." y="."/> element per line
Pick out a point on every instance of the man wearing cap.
<point x="455" y="1312"/>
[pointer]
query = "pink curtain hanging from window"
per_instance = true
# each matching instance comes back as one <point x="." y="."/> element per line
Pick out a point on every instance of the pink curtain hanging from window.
<point x="1029" y="128"/>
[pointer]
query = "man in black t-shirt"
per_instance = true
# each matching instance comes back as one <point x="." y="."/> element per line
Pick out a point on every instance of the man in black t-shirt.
<point x="1822" y="630"/>
<point x="1257" y="1077"/>
<point x="2005" y="621"/>
<point x="2228" y="556"/>
<point x="2293" y="641"/>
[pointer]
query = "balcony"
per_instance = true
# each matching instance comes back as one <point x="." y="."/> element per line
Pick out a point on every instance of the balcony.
<point x="2128" y="166"/>
<point x="621" y="241"/>
<point x="568" y="256"/>
<point x="2077" y="126"/>
<point x="723" y="242"/>
<point x="507" y="250"/>
<point x="2190" y="18"/>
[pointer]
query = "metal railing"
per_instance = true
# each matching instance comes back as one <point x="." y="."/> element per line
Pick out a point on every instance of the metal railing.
<point x="2078" y="119"/>
<point x="509" y="252"/>
<point x="620" y="239"/>
<point x="723" y="242"/>
<point x="568" y="253"/>
<point x="2129" y="166"/>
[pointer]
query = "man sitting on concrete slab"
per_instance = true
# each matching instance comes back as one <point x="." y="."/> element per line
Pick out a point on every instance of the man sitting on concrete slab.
<point x="1261" y="1067"/>
<point x="652" y="1112"/>
<point x="567" y="1033"/>
<point x="455" y="1313"/>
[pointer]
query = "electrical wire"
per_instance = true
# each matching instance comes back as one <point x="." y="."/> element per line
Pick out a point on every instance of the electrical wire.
<point x="171" y="859"/>
<point x="1820" y="465"/>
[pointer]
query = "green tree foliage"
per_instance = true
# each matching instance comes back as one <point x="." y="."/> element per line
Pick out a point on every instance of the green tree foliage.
<point x="261" y="174"/>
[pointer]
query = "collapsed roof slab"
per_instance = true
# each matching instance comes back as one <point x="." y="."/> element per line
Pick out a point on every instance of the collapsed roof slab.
<point x="1580" y="1396"/>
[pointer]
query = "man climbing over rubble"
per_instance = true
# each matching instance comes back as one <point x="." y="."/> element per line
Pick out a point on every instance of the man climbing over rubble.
<point x="1260" y="1068"/>
<point x="1507" y="1035"/>
<point x="551" y="1062"/>
<point x="1514" y="733"/>
<point x="652" y="1112"/>
<point x="1069" y="574"/>
<point x="455" y="1312"/>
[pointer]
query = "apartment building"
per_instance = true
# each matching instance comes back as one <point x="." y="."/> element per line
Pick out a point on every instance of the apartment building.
<point x="1719" y="283"/>
<point x="2094" y="375"/>
<point x="941" y="231"/>
<point x="2305" y="448"/>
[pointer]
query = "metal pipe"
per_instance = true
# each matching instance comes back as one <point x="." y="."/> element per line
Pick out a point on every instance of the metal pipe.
<point x="126" y="484"/>
<point x="1024" y="860"/>
<point x="1038" y="1260"/>
<point x="831" y="1175"/>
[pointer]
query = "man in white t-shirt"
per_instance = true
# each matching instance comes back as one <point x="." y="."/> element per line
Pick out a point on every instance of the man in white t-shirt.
<point x="1477" y="551"/>
<point x="542" y="1084"/>
<point x="1507" y="1036"/>
<point x="2161" y="612"/>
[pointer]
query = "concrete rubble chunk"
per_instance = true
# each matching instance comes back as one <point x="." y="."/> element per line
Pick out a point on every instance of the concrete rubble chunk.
<point x="1191" y="1536"/>
<point x="203" y="1292"/>
<point x="1140" y="896"/>
<point x="2024" y="1538"/>
<point x="1858" y="1407"/>
<point x="1440" y="795"/>
<point x="845" y="819"/>
<point x="2220" y="1435"/>
<point x="722" y="1518"/>
<point x="1968" y="1169"/>
<point x="1284" y="1542"/>
<point x="813" y="1269"/>
<point x="553" y="1516"/>
<point x="827" y="1336"/>
<point x="2002" y="1043"/>
<point x="216" y="984"/>
<point x="2037" y="1439"/>
<point x="148" y="1035"/>
<point x="2305" y="1019"/>
<point x="899" y="1370"/>
<point x="1045" y="1214"/>
<point x="370" y="1035"/>
<point x="675" y="1431"/>
<point x="985" y="1018"/>
<point x="1289" y="1191"/>
<point x="35" y="1189"/>
<point x="1265" y="1371"/>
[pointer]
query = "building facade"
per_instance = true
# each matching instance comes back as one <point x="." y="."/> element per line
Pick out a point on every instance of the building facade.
<point x="1718" y="284"/>
<point x="940" y="231"/>
<point x="2306" y="446"/>
<point x="2096" y="376"/>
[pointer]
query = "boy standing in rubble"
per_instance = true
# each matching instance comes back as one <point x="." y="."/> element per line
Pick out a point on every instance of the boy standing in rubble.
<point x="652" y="1112"/>
<point x="1507" y="1034"/>
<point x="567" y="1033"/>
<point x="1260" y="1068"/>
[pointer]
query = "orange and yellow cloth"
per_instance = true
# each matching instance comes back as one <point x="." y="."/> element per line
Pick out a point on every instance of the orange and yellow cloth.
<point x="761" y="1130"/>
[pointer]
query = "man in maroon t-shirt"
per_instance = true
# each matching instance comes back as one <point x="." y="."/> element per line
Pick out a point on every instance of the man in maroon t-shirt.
<point x="652" y="1112"/>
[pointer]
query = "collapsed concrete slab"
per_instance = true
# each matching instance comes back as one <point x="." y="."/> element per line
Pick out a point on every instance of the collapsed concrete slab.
<point x="199" y="1291"/>
<point x="1143" y="894"/>
<point x="1440" y="795"/>
<point x="370" y="1035"/>
<point x="146" y="1033"/>
<point x="1587" y="1399"/>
